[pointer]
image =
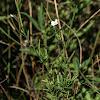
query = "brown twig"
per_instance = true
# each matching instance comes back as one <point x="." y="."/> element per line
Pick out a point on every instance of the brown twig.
<point x="91" y="66"/>
<point x="15" y="87"/>
<point x="22" y="55"/>
<point x="5" y="92"/>
<point x="8" y="48"/>
<point x="30" y="11"/>
<point x="77" y="39"/>
<point x="85" y="23"/>
<point x="60" y="26"/>
<point x="11" y="24"/>
<point x="4" y="79"/>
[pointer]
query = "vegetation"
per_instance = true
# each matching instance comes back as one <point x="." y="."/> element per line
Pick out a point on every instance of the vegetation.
<point x="44" y="61"/>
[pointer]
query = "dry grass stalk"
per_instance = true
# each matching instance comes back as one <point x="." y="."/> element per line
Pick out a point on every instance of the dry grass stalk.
<point x="22" y="55"/>
<point x="5" y="92"/>
<point x="60" y="26"/>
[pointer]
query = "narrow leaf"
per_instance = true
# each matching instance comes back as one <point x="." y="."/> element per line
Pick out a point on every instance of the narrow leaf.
<point x="85" y="63"/>
<point x="97" y="80"/>
<point x="28" y="34"/>
<point x="40" y="17"/>
<point x="9" y="36"/>
<point x="71" y="56"/>
<point x="4" y="17"/>
<point x="76" y="64"/>
<point x="32" y="20"/>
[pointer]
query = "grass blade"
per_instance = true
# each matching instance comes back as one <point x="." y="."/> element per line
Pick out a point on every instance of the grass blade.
<point x="40" y="17"/>
<point x="9" y="36"/>
<point x="32" y="20"/>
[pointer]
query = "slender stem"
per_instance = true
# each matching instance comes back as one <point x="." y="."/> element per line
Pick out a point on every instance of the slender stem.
<point x="19" y="15"/>
<point x="22" y="55"/>
<point x="5" y="92"/>
<point x="60" y="26"/>
<point x="95" y="44"/>
<point x="30" y="11"/>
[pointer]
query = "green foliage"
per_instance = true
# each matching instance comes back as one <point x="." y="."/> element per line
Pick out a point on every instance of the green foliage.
<point x="32" y="20"/>
<point x="51" y="75"/>
<point x="85" y="63"/>
<point x="8" y="36"/>
<point x="4" y="17"/>
<point x="58" y="85"/>
<point x="76" y="65"/>
<point x="40" y="17"/>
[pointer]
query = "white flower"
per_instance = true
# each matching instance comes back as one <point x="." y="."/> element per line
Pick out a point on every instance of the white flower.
<point x="53" y="23"/>
<point x="11" y="15"/>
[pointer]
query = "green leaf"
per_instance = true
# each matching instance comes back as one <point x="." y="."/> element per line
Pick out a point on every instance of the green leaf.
<point x="19" y="13"/>
<point x="97" y="80"/>
<point x="28" y="34"/>
<point x="39" y="51"/>
<point x="58" y="79"/>
<point x="28" y="52"/>
<point x="87" y="94"/>
<point x="51" y="97"/>
<point x="4" y="17"/>
<point x="76" y="64"/>
<point x="9" y="36"/>
<point x="89" y="26"/>
<point x="51" y="47"/>
<point x="71" y="56"/>
<point x="32" y="20"/>
<point x="85" y="63"/>
<point x="40" y="17"/>
<point x="20" y="4"/>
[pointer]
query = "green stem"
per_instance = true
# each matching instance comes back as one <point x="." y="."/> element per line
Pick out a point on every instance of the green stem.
<point x="95" y="43"/>
<point x="19" y="13"/>
<point x="9" y="36"/>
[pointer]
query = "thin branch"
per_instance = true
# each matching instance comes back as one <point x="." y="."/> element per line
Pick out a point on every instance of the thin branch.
<point x="8" y="48"/>
<point x="60" y="26"/>
<point x="15" y="87"/>
<point x="11" y="24"/>
<point x="91" y="66"/>
<point x="77" y="39"/>
<point x="5" y="92"/>
<point x="22" y="55"/>
<point x="4" y="79"/>
<point x="87" y="21"/>
<point x="2" y="42"/>
<point x="30" y="11"/>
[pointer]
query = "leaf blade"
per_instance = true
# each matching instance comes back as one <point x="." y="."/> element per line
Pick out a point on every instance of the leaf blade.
<point x="32" y="20"/>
